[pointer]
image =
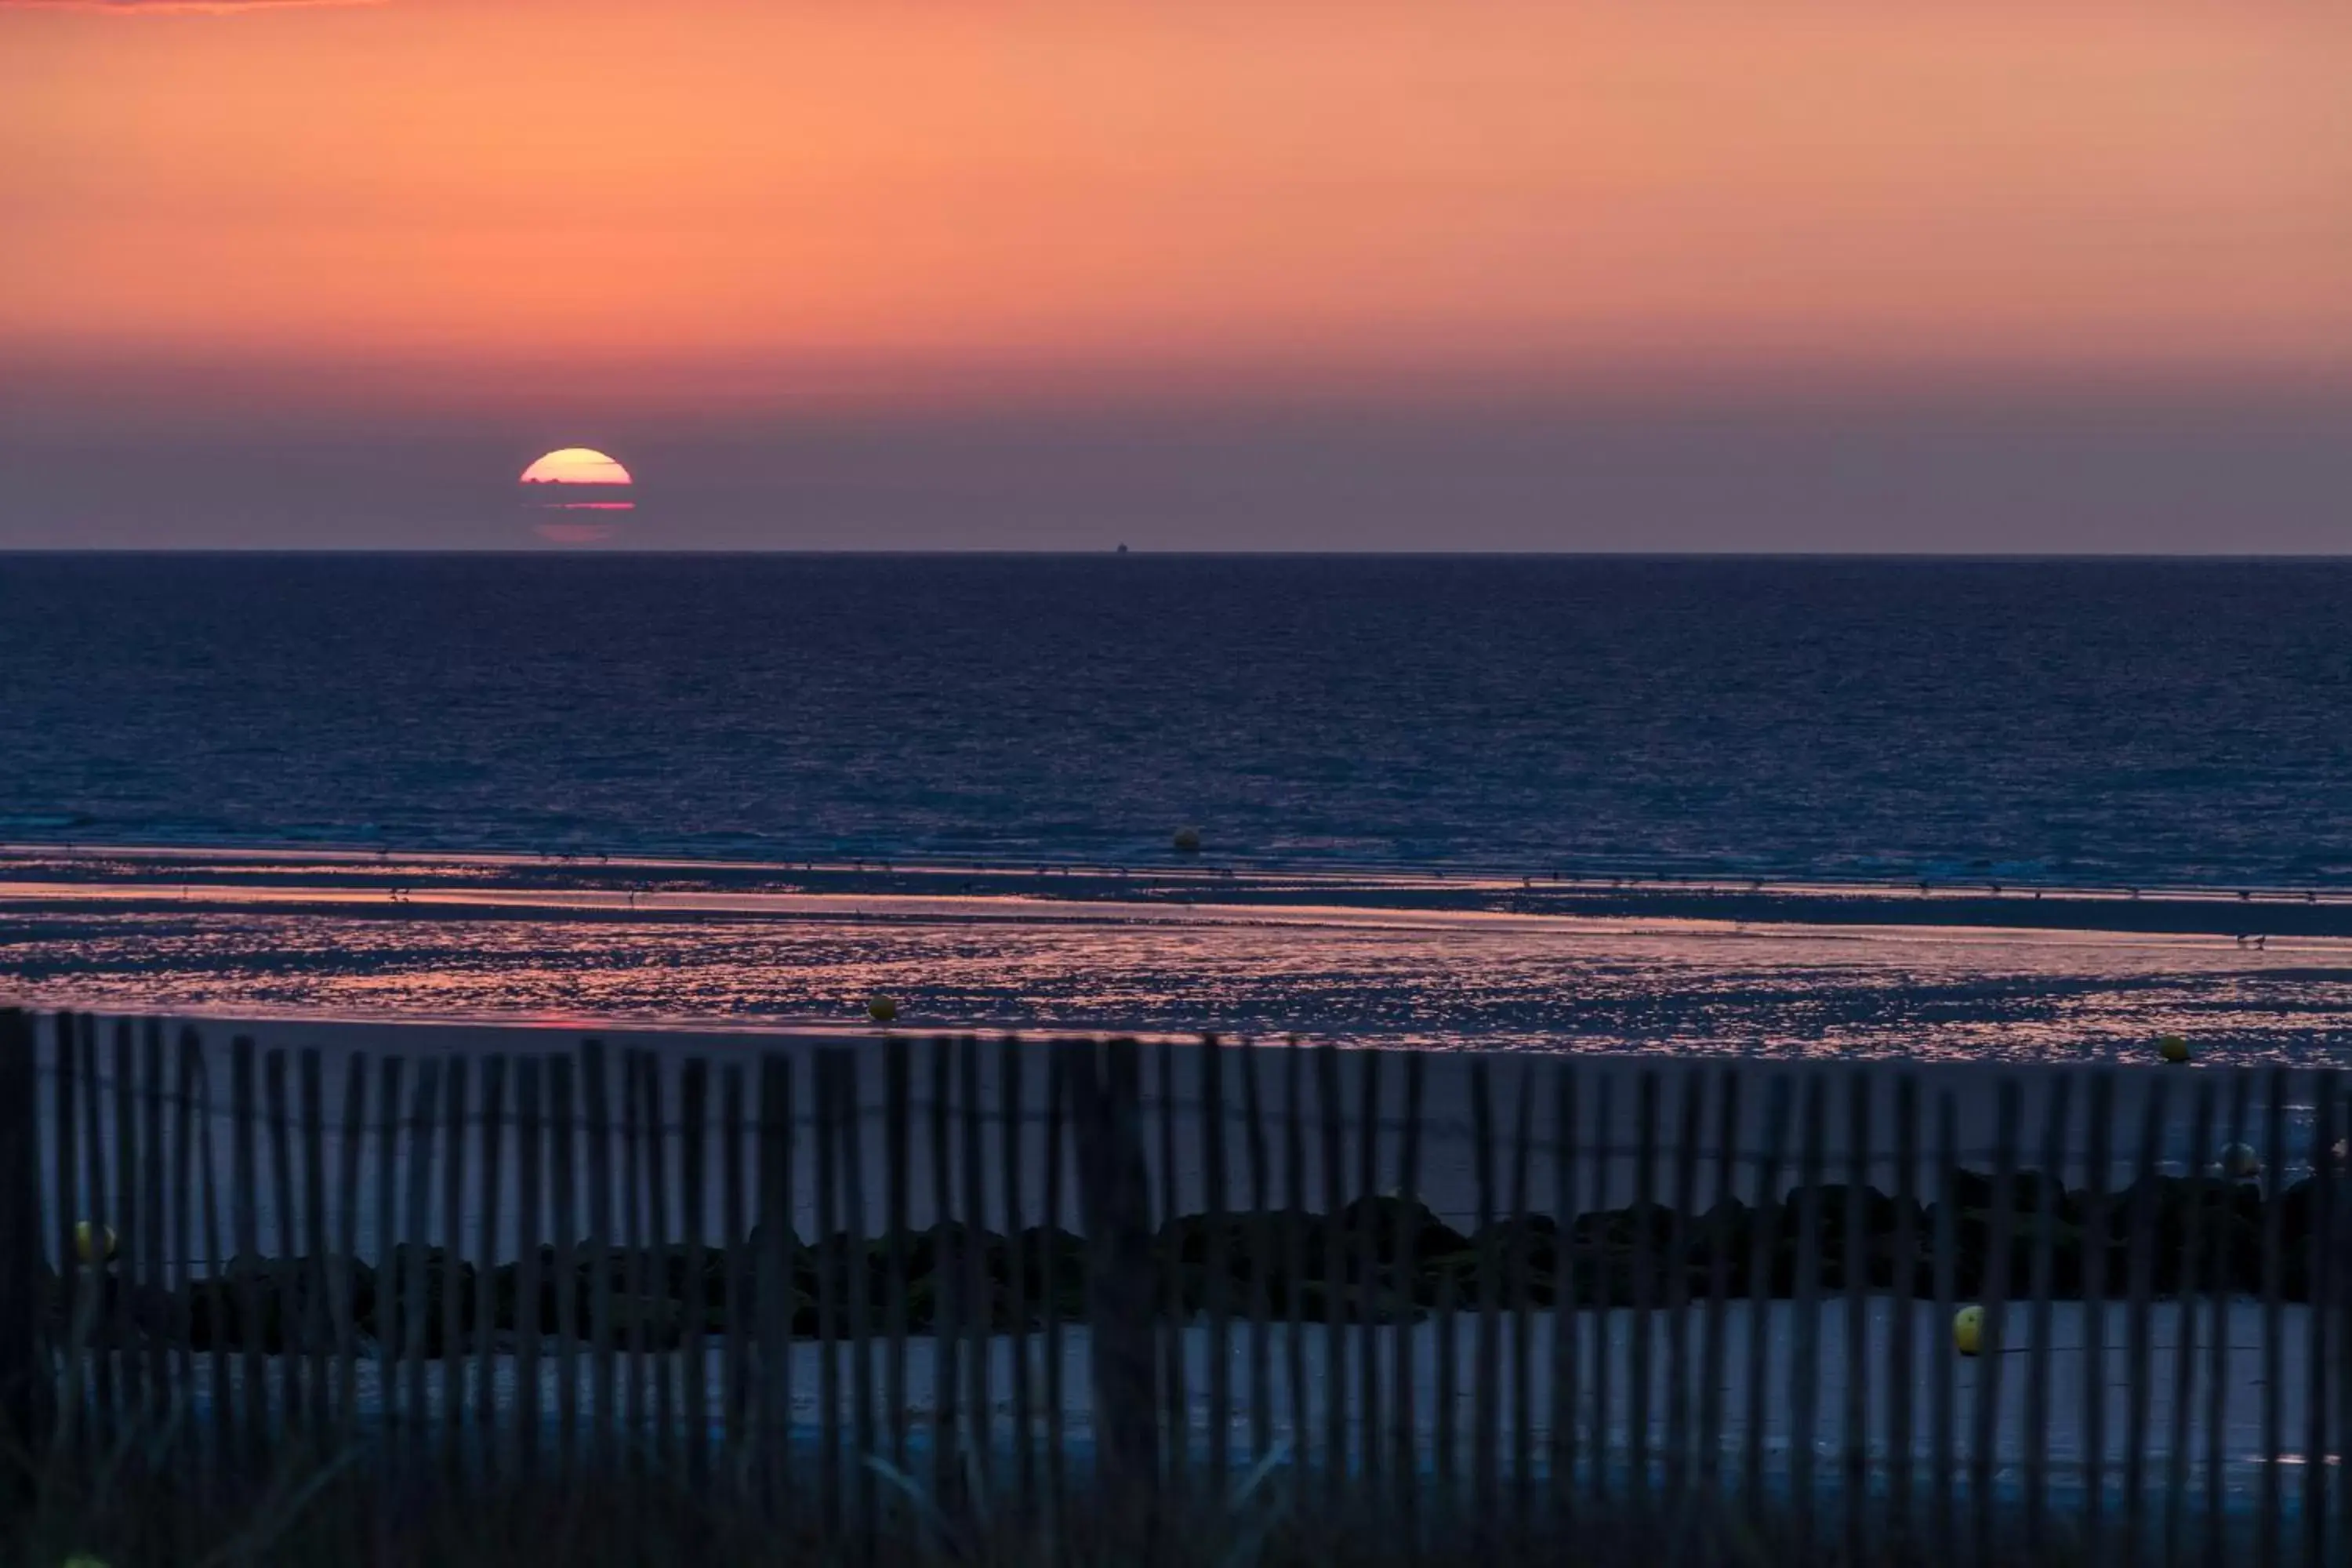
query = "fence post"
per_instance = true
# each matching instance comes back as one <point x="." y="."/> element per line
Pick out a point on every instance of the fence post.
<point x="20" y="1243"/>
<point x="1115" y="1209"/>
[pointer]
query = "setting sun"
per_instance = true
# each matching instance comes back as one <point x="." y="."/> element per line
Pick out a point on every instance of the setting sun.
<point x="576" y="466"/>
<point x="589" y="481"/>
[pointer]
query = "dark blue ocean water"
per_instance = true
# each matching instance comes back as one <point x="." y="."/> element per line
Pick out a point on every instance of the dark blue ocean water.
<point x="2108" y="722"/>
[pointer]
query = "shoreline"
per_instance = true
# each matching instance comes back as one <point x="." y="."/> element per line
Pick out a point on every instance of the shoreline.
<point x="36" y="874"/>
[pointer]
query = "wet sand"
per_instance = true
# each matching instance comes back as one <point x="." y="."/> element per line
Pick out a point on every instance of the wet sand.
<point x="1499" y="962"/>
<point x="1789" y="1401"/>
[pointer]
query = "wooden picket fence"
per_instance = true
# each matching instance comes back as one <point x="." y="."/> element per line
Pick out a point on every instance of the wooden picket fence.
<point x="1407" y="1295"/>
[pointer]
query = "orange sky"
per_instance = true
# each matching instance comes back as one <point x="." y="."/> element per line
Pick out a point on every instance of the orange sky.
<point x="1361" y="189"/>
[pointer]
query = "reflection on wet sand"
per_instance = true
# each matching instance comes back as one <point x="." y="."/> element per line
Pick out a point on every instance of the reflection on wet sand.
<point x="1394" y="959"/>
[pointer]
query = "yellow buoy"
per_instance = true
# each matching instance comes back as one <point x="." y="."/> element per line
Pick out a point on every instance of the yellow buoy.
<point x="2173" y="1048"/>
<point x="93" y="1243"/>
<point x="1968" y="1330"/>
<point x="882" y="1009"/>
<point x="1188" y="841"/>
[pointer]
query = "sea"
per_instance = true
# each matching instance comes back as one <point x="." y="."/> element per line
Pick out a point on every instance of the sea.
<point x="1870" y="806"/>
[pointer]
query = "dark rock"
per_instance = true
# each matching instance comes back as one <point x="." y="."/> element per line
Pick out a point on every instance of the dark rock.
<point x="1618" y="1276"/>
<point x="1053" y="1263"/>
<point x="506" y="1285"/>
<point x="936" y="1302"/>
<point x="625" y="1268"/>
<point x="294" y="1304"/>
<point x="2296" y="1209"/>
<point x="1425" y="1235"/>
<point x="660" y="1320"/>
<point x="1287" y="1249"/>
<point x="681" y="1281"/>
<point x="1890" y="1263"/>
<point x="1515" y="1265"/>
<point x="1186" y="1241"/>
<point x="2030" y="1192"/>
<point x="2220" y="1221"/>
<point x="1728" y="1229"/>
<point x="1973" y="1254"/>
<point x="414" y="1296"/>
<point x="1881" y="1212"/>
<point x="953" y="1244"/>
<point x="110" y="1310"/>
<point x="842" y="1269"/>
<point x="1637" y="1224"/>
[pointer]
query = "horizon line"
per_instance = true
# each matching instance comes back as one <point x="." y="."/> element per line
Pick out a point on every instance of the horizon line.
<point x="1116" y="551"/>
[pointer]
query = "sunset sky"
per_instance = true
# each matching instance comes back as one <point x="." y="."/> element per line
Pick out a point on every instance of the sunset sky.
<point x="1322" y="275"/>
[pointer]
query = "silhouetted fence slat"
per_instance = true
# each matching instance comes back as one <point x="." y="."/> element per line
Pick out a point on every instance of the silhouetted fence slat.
<point x="22" y="1418"/>
<point x="490" y="1252"/>
<point x="531" y="1207"/>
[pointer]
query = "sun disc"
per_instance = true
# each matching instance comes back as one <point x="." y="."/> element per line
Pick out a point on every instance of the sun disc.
<point x="576" y="466"/>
